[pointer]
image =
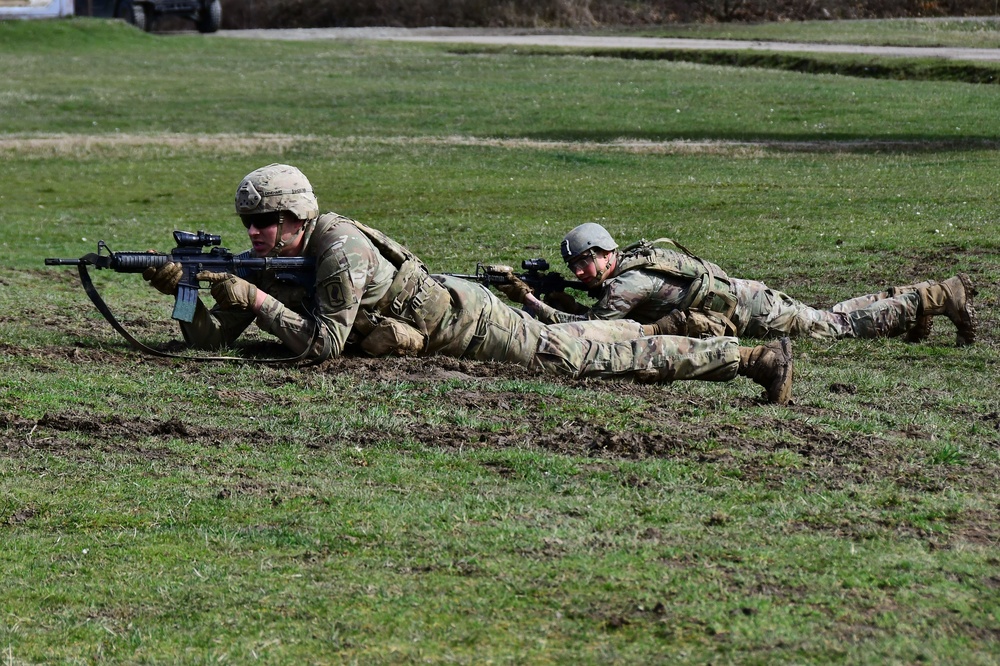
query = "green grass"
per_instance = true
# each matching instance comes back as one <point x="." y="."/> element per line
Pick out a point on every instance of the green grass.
<point x="386" y="512"/>
<point x="368" y="89"/>
<point x="972" y="32"/>
<point x="861" y="66"/>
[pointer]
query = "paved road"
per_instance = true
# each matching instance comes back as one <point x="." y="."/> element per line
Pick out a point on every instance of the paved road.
<point x="522" y="38"/>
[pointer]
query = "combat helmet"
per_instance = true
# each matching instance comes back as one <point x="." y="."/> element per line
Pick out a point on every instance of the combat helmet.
<point x="275" y="188"/>
<point x="584" y="238"/>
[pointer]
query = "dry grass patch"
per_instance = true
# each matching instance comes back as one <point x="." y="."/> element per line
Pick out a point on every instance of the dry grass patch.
<point x="82" y="146"/>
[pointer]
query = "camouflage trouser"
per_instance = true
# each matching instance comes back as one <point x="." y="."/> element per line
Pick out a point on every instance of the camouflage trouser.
<point x="762" y="312"/>
<point x="604" y="349"/>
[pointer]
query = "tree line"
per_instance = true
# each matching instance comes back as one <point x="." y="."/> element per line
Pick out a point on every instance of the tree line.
<point x="573" y="13"/>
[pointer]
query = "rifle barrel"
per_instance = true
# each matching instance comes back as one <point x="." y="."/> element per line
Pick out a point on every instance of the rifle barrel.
<point x="62" y="262"/>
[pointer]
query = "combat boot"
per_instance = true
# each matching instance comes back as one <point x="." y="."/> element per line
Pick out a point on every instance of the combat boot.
<point x="922" y="329"/>
<point x="770" y="366"/>
<point x="953" y="298"/>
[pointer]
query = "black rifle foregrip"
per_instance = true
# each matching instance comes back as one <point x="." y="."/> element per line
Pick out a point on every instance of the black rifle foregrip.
<point x="136" y="262"/>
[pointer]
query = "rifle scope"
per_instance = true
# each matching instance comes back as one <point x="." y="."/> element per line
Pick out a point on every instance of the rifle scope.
<point x="535" y="264"/>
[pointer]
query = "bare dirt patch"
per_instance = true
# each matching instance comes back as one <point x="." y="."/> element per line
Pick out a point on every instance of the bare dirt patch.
<point x="671" y="425"/>
<point x="747" y="446"/>
<point x="82" y="145"/>
<point x="606" y="43"/>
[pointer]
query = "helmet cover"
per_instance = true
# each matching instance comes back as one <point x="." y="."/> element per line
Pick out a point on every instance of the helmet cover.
<point x="275" y="188"/>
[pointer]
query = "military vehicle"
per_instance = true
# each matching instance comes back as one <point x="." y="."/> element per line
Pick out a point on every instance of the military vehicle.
<point x="206" y="14"/>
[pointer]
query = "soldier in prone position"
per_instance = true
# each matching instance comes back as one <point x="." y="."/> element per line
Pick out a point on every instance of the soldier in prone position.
<point x="373" y="294"/>
<point x="681" y="294"/>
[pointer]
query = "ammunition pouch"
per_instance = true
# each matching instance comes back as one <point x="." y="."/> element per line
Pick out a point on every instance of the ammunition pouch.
<point x="702" y="324"/>
<point x="393" y="337"/>
<point x="401" y="321"/>
<point x="712" y="303"/>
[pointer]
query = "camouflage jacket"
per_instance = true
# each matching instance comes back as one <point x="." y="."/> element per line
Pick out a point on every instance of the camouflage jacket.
<point x="351" y="274"/>
<point x="648" y="283"/>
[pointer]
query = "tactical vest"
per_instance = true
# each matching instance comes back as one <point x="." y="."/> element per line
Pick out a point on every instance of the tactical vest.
<point x="410" y="310"/>
<point x="709" y="288"/>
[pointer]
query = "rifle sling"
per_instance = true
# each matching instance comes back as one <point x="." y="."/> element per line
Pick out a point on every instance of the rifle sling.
<point x="102" y="307"/>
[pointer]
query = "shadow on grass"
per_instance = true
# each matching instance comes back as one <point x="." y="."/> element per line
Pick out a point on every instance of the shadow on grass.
<point x="901" y="69"/>
<point x="833" y="142"/>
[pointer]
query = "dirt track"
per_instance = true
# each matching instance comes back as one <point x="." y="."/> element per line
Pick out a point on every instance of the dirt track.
<point x="524" y="38"/>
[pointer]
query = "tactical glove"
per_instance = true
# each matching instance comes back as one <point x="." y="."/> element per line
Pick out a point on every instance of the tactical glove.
<point x="515" y="289"/>
<point x="708" y="325"/>
<point x="165" y="278"/>
<point x="229" y="291"/>
<point x="675" y="323"/>
<point x="690" y="324"/>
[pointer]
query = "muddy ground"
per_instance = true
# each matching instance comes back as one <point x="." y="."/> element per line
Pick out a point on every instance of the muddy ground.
<point x="671" y="426"/>
<point x="760" y="446"/>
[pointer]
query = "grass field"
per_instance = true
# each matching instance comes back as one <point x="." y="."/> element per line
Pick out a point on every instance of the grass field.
<point x="971" y="32"/>
<point x="444" y="511"/>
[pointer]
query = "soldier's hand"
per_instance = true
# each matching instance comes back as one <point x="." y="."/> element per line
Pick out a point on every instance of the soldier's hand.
<point x="708" y="325"/>
<point x="675" y="323"/>
<point x="690" y="324"/>
<point x="515" y="289"/>
<point x="165" y="278"/>
<point x="229" y="291"/>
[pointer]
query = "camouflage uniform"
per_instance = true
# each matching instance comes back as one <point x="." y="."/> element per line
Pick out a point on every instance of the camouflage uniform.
<point x="373" y="294"/>
<point x="650" y="282"/>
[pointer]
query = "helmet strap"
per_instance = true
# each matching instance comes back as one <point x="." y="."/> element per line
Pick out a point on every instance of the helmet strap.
<point x="609" y="265"/>
<point x="281" y="243"/>
<point x="308" y="227"/>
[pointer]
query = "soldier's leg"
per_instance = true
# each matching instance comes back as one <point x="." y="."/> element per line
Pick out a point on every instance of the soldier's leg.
<point x="918" y="332"/>
<point x="505" y="334"/>
<point x="603" y="330"/>
<point x="774" y="314"/>
<point x="666" y="358"/>
<point x="763" y="312"/>
<point x="885" y="318"/>
<point x="661" y="358"/>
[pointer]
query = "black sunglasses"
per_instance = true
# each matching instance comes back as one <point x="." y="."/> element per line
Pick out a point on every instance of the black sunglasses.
<point x="261" y="220"/>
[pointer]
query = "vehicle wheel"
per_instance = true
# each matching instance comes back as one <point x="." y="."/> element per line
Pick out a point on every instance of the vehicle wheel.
<point x="210" y="16"/>
<point x="133" y="13"/>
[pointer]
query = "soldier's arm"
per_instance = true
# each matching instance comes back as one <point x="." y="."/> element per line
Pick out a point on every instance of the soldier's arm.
<point x="343" y="271"/>
<point x="547" y="314"/>
<point x="618" y="298"/>
<point x="564" y="302"/>
<point x="623" y="294"/>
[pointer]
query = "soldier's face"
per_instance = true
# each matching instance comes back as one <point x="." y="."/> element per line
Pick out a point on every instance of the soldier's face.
<point x="263" y="237"/>
<point x="590" y="269"/>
